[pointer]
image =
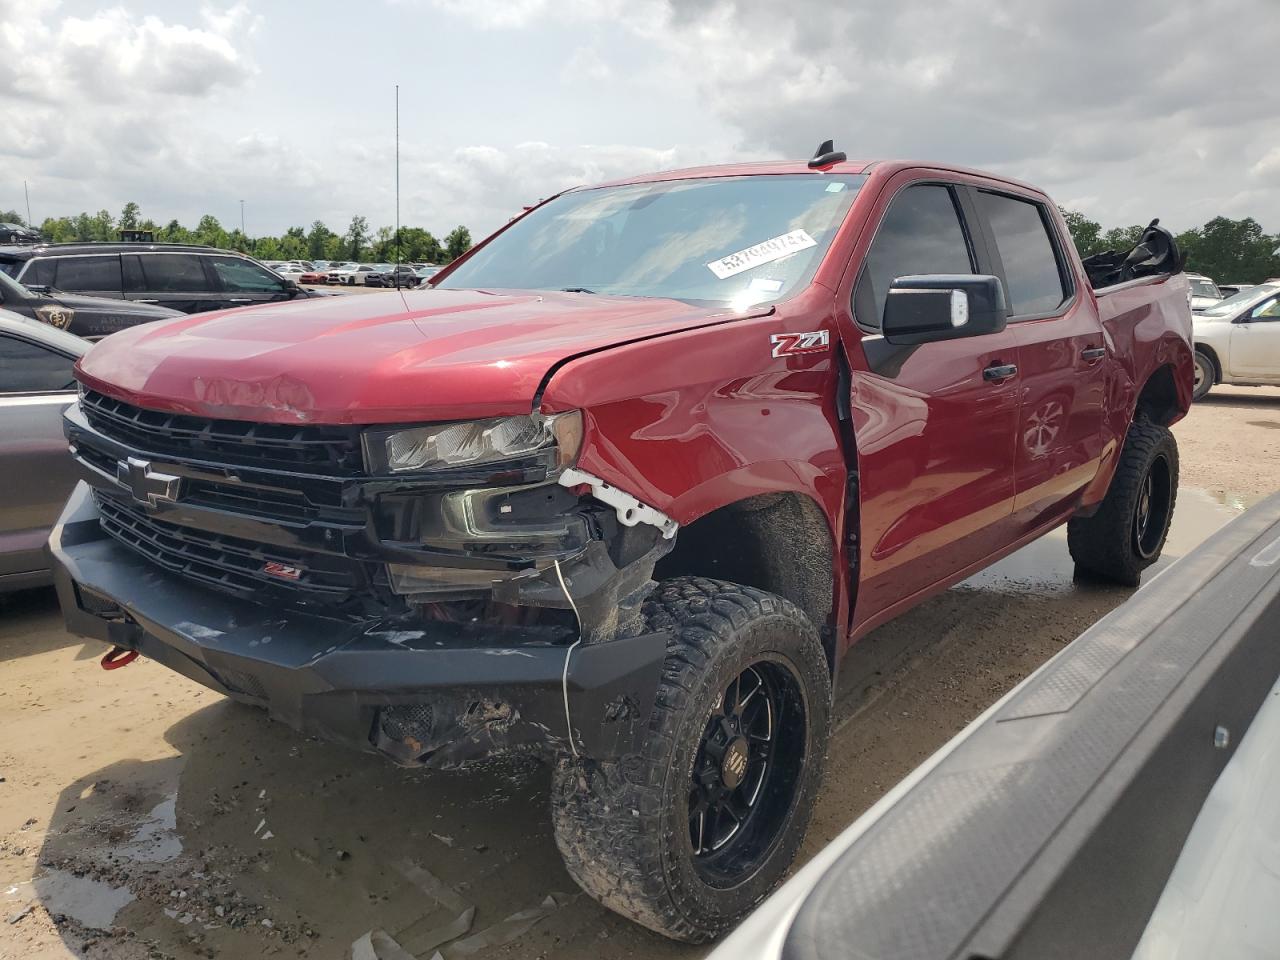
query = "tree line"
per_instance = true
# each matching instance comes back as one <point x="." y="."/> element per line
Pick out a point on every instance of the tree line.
<point x="1228" y="251"/>
<point x="318" y="242"/>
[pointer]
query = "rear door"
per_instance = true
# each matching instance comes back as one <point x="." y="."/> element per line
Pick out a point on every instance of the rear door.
<point x="1255" y="343"/>
<point x="935" y="423"/>
<point x="1062" y="366"/>
<point x="97" y="275"/>
<point x="36" y="470"/>
<point x="178" y="281"/>
<point x="242" y="282"/>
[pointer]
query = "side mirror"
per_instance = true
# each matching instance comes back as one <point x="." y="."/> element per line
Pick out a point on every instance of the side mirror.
<point x="291" y="287"/>
<point x="925" y="309"/>
<point x="41" y="289"/>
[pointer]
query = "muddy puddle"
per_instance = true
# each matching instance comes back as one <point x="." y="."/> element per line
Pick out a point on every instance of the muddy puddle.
<point x="145" y="817"/>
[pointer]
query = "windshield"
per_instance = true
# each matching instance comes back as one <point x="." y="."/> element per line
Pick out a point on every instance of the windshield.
<point x="1241" y="301"/>
<point x="734" y="240"/>
<point x="1205" y="288"/>
<point x="12" y="290"/>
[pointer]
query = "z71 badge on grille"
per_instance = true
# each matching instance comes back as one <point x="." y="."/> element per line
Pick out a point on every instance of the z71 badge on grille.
<point x="798" y="344"/>
<point x="282" y="570"/>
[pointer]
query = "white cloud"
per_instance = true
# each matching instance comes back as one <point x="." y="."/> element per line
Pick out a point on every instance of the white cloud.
<point x="586" y="65"/>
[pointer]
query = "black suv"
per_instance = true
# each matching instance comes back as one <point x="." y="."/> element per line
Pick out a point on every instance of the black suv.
<point x="187" y="278"/>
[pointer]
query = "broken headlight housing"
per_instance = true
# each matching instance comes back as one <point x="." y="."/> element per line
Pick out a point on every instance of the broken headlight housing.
<point x="473" y="443"/>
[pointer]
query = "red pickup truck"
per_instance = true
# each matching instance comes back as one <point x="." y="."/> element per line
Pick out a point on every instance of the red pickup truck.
<point x="625" y="482"/>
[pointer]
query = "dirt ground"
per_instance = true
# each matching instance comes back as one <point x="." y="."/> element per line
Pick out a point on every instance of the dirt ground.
<point x="142" y="816"/>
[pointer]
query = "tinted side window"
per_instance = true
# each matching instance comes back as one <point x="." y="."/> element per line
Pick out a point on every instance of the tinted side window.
<point x="173" y="273"/>
<point x="30" y="368"/>
<point x="39" y="272"/>
<point x="241" y="276"/>
<point x="1030" y="264"/>
<point x="87" y="274"/>
<point x="920" y="234"/>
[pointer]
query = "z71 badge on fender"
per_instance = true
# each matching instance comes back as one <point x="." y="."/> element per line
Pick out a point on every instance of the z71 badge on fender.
<point x="796" y="344"/>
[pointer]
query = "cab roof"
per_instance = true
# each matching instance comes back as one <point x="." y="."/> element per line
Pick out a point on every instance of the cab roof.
<point x="881" y="168"/>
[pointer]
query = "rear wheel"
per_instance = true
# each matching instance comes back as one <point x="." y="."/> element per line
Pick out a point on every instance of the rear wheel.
<point x="688" y="835"/>
<point x="1128" y="531"/>
<point x="1205" y="375"/>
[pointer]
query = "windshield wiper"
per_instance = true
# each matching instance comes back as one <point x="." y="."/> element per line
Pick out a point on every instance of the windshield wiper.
<point x="575" y="290"/>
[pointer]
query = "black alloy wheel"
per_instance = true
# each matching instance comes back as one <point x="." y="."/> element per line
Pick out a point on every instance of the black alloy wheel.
<point x="745" y="772"/>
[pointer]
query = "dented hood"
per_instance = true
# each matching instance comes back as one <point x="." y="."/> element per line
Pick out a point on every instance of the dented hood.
<point x="373" y="358"/>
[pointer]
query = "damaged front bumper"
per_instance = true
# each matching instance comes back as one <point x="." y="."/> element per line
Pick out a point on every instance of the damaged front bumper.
<point x="422" y="691"/>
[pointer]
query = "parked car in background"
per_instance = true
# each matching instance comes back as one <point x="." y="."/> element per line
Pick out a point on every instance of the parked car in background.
<point x="17" y="233"/>
<point x="1231" y="289"/>
<point x="36" y="471"/>
<point x="398" y="277"/>
<point x="290" y="271"/>
<point x="1204" y="292"/>
<point x="317" y="276"/>
<point x="428" y="271"/>
<point x="89" y="317"/>
<point x="631" y="519"/>
<point x="352" y="274"/>
<point x="190" y="279"/>
<point x="1237" y="340"/>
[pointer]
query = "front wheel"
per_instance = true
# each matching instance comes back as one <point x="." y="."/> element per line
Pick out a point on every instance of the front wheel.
<point x="689" y="834"/>
<point x="1205" y="375"/>
<point x="1127" y="533"/>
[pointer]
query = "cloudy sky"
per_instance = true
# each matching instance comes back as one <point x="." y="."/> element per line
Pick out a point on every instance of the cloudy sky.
<point x="1123" y="110"/>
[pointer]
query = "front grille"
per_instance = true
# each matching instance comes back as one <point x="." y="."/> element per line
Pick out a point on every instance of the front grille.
<point x="329" y="450"/>
<point x="229" y="563"/>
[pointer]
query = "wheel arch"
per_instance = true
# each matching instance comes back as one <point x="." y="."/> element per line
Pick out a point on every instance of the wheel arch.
<point x="1158" y="399"/>
<point x="1212" y="354"/>
<point x="779" y="541"/>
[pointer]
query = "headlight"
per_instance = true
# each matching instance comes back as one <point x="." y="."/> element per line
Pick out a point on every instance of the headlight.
<point x="474" y="442"/>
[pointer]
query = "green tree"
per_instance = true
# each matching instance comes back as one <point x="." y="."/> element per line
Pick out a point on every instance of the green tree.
<point x="357" y="234"/>
<point x="383" y="245"/>
<point x="1232" y="251"/>
<point x="318" y="238"/>
<point x="417" y="244"/>
<point x="12" y="216"/>
<point x="209" y="231"/>
<point x="58" y="229"/>
<point x="1085" y="233"/>
<point x="129" y="216"/>
<point x="457" y="242"/>
<point x="1121" y="238"/>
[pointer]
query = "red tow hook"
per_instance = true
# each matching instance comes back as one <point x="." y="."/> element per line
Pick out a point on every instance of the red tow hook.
<point x="118" y="657"/>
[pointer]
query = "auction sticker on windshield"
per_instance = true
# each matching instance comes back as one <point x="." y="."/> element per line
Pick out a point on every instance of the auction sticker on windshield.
<point x="766" y="252"/>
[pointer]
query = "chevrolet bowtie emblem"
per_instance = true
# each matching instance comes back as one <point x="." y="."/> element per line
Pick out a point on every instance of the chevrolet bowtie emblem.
<point x="146" y="485"/>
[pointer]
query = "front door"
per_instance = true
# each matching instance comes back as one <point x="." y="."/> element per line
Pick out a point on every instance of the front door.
<point x="243" y="282"/>
<point x="1255" y="343"/>
<point x="1062" y="358"/>
<point x="934" y="424"/>
<point x="36" y="385"/>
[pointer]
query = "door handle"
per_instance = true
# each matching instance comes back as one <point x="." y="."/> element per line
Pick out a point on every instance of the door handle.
<point x="1093" y="353"/>
<point x="1000" y="371"/>
<point x="146" y="301"/>
<point x="239" y="299"/>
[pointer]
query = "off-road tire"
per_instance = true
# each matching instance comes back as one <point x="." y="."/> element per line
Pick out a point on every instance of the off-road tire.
<point x="1106" y="545"/>
<point x="1207" y="371"/>
<point x="623" y="827"/>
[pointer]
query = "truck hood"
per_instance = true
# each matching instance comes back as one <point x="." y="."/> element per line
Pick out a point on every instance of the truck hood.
<point x="420" y="355"/>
